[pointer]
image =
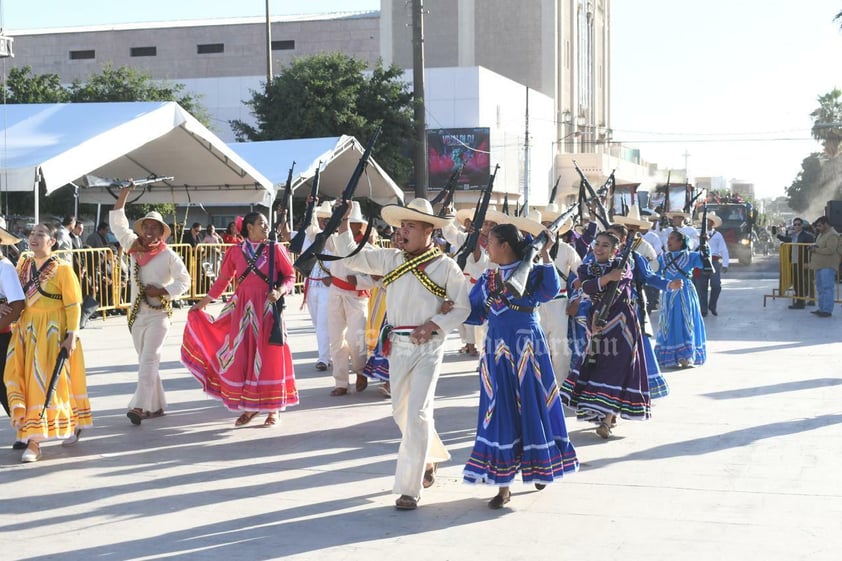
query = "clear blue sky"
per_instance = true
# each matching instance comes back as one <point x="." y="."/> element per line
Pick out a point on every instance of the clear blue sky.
<point x="731" y="83"/>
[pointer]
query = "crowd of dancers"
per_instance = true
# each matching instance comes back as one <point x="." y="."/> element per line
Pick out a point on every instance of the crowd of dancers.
<point x="579" y="336"/>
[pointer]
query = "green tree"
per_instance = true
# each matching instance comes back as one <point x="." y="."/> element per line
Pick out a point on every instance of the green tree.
<point x="22" y="86"/>
<point x="807" y="183"/>
<point x="827" y="122"/>
<point x="331" y="95"/>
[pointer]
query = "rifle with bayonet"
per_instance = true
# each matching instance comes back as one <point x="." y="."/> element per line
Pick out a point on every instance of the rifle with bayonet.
<point x="446" y="194"/>
<point x="307" y="260"/>
<point x="516" y="283"/>
<point x="297" y="243"/>
<point x="283" y="207"/>
<point x="476" y="223"/>
<point x="601" y="213"/>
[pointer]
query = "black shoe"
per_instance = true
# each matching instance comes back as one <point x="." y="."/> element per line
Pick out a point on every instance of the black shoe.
<point x="817" y="312"/>
<point x="713" y="312"/>
<point x="704" y="314"/>
<point x="540" y="486"/>
<point x="796" y="306"/>
<point x="824" y="314"/>
<point x="499" y="500"/>
<point x="19" y="445"/>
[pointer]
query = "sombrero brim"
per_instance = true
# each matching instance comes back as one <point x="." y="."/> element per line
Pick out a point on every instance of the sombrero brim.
<point x="394" y="214"/>
<point x="6" y="238"/>
<point x="138" y="223"/>
<point x="626" y="221"/>
<point x="464" y="214"/>
<point x="526" y="225"/>
<point x="671" y="214"/>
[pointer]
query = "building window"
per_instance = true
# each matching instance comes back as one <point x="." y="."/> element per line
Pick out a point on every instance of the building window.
<point x="143" y="51"/>
<point x="283" y="45"/>
<point x="82" y="55"/>
<point x="210" y="48"/>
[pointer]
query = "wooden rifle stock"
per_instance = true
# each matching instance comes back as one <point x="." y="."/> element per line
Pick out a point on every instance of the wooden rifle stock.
<point x="307" y="260"/>
<point x="297" y="243"/>
<point x="479" y="218"/>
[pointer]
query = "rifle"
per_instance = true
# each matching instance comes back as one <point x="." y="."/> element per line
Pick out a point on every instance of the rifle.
<point x="123" y="184"/>
<point x="516" y="283"/>
<point x="601" y="213"/>
<point x="554" y="191"/>
<point x="284" y="205"/>
<point x="307" y="260"/>
<point x="704" y="249"/>
<point x="666" y="208"/>
<point x="479" y="218"/>
<point x="445" y="197"/>
<point x="297" y="243"/>
<point x="612" y="291"/>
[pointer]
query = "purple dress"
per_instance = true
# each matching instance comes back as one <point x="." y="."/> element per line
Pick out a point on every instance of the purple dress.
<point x="612" y="380"/>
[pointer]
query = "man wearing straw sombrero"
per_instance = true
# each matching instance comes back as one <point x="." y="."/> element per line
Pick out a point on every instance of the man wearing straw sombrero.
<point x="720" y="260"/>
<point x="677" y="222"/>
<point x="158" y="275"/>
<point x="419" y="279"/>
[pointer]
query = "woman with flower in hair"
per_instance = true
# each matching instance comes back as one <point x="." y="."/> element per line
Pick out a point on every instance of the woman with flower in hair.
<point x="231" y="355"/>
<point x="48" y="325"/>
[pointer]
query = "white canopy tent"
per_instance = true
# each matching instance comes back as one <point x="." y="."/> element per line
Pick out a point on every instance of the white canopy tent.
<point x="52" y="145"/>
<point x="338" y="155"/>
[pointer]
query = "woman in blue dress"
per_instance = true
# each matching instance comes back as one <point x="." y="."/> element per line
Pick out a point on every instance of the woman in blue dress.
<point x="520" y="423"/>
<point x="681" y="339"/>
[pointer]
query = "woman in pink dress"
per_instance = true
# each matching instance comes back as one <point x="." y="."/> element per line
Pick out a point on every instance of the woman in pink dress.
<point x="231" y="355"/>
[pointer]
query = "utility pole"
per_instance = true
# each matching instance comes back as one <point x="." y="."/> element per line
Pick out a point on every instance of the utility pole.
<point x="420" y="157"/>
<point x="686" y="156"/>
<point x="268" y="47"/>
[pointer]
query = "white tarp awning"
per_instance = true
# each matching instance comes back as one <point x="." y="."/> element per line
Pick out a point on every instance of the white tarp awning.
<point x="339" y="156"/>
<point x="56" y="144"/>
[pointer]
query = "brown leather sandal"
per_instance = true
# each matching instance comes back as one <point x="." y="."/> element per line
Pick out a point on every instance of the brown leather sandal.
<point x="362" y="383"/>
<point x="405" y="502"/>
<point x="271" y="419"/>
<point x="245" y="418"/>
<point x="339" y="391"/>
<point x="429" y="476"/>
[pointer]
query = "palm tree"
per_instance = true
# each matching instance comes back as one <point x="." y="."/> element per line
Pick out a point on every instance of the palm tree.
<point x="827" y="121"/>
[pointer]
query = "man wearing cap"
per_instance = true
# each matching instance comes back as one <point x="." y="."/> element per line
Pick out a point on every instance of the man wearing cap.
<point x="317" y="284"/>
<point x="720" y="260"/>
<point x="12" y="303"/>
<point x="158" y="275"/>
<point x="418" y="280"/>
<point x="348" y="301"/>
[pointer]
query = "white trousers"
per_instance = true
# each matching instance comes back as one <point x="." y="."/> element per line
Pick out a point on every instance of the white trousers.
<point x="413" y="374"/>
<point x="318" y="306"/>
<point x="554" y="323"/>
<point x="346" y="330"/>
<point x="467" y="334"/>
<point x="148" y="333"/>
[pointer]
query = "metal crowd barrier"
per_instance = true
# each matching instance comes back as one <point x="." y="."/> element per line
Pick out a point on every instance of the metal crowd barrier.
<point x="106" y="276"/>
<point x="796" y="280"/>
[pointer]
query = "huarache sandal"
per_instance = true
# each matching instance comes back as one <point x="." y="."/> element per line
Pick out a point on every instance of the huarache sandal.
<point x="430" y="476"/>
<point x="604" y="429"/>
<point x="338" y="391"/>
<point x="499" y="500"/>
<point x="135" y="415"/>
<point x="405" y="502"/>
<point x="245" y="418"/>
<point x="271" y="419"/>
<point x="362" y="383"/>
<point x="153" y="414"/>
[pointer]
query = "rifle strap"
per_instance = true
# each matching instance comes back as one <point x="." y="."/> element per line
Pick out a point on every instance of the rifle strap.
<point x="416" y="265"/>
<point x="360" y="246"/>
<point x="251" y="264"/>
<point x="496" y="295"/>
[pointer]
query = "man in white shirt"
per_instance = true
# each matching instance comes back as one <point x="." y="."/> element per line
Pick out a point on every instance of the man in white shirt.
<point x="12" y="303"/>
<point x="677" y="221"/>
<point x="158" y="275"/>
<point x="720" y="260"/>
<point x="415" y="291"/>
<point x="316" y="286"/>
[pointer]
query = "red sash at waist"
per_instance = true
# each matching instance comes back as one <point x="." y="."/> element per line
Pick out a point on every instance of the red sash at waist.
<point x="345" y="285"/>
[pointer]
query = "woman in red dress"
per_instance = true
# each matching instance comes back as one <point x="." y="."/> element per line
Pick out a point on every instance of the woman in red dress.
<point x="231" y="235"/>
<point x="231" y="355"/>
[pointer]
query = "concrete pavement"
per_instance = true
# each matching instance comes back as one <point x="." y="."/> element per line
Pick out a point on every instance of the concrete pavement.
<point x="740" y="461"/>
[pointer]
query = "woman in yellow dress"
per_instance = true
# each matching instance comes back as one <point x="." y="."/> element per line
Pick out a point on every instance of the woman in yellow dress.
<point x="49" y="323"/>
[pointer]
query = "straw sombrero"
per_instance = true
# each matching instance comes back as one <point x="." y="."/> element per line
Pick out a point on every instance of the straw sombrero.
<point x="677" y="213"/>
<point x="155" y="217"/>
<point x="6" y="238"/>
<point x="551" y="212"/>
<point x="531" y="223"/>
<point x="418" y="210"/>
<point x="324" y="210"/>
<point x="491" y="215"/>
<point x="717" y="222"/>
<point x="632" y="218"/>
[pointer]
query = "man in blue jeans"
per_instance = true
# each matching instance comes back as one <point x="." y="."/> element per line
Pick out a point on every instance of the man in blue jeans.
<point x="824" y="260"/>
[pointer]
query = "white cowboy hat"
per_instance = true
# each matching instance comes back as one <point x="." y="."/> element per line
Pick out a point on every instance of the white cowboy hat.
<point x="530" y="223"/>
<point x="324" y="210"/>
<point x="491" y="215"/>
<point x="717" y="222"/>
<point x="677" y="213"/>
<point x="6" y="238"/>
<point x="418" y="210"/>
<point x="632" y="218"/>
<point x="155" y="217"/>
<point x="356" y="215"/>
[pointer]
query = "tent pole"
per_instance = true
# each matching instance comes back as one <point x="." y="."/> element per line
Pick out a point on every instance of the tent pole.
<point x="37" y="209"/>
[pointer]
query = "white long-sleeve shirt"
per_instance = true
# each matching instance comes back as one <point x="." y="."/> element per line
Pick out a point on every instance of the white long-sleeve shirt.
<point x="718" y="248"/>
<point x="408" y="303"/>
<point x="166" y="270"/>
